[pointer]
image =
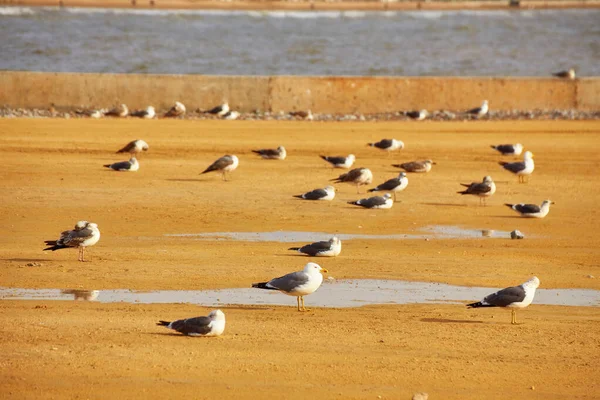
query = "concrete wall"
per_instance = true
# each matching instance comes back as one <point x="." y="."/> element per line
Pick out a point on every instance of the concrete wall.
<point x="287" y="93"/>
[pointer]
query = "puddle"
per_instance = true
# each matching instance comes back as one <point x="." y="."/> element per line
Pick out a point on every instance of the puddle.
<point x="428" y="232"/>
<point x="342" y="293"/>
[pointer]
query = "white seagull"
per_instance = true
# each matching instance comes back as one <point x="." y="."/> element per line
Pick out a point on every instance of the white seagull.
<point x="84" y="235"/>
<point x="522" y="168"/>
<point x="357" y="176"/>
<point x="148" y="113"/>
<point x="213" y="325"/>
<point x="272" y="154"/>
<point x="509" y="149"/>
<point x="327" y="193"/>
<point x="220" y="110"/>
<point x="532" y="210"/>
<point x="329" y="248"/>
<point x="128" y="166"/>
<point x="177" y="110"/>
<point x="417" y="115"/>
<point x="231" y="115"/>
<point x="416" y="166"/>
<point x="225" y="164"/>
<point x="393" y="185"/>
<point x="340" y="161"/>
<point x="298" y="284"/>
<point x="388" y="144"/>
<point x="483" y="189"/>
<point x="119" y="111"/>
<point x="512" y="297"/>
<point x="134" y="147"/>
<point x="384" y="201"/>
<point x="480" y="111"/>
<point x="568" y="74"/>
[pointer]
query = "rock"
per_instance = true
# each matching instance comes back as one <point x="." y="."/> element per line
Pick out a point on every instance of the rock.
<point x="516" y="235"/>
<point x="420" y="396"/>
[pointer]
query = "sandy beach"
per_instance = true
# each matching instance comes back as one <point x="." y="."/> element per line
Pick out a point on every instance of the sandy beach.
<point x="52" y="176"/>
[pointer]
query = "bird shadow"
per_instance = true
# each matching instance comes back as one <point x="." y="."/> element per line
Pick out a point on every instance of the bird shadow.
<point x="507" y="216"/>
<point x="185" y="180"/>
<point x="446" y="204"/>
<point x="290" y="255"/>
<point x="27" y="259"/>
<point x="450" y="321"/>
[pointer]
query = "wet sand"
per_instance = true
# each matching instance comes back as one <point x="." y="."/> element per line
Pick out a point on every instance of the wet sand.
<point x="52" y="176"/>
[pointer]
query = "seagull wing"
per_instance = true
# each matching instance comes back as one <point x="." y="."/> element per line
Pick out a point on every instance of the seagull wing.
<point x="289" y="282"/>
<point x="198" y="325"/>
<point x="505" y="297"/>
<point x="219" y="164"/>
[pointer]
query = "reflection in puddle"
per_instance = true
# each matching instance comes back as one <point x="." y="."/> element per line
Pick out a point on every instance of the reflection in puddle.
<point x="85" y="295"/>
<point x="342" y="293"/>
<point x="429" y="232"/>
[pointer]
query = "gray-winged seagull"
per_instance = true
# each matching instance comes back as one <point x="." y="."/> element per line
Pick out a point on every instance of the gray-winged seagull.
<point x="298" y="284"/>
<point x="329" y="248"/>
<point x="393" y="185"/>
<point x="119" y="111"/>
<point x="512" y="297"/>
<point x="384" y="201"/>
<point x="327" y="193"/>
<point x="78" y="237"/>
<point x="213" y="325"/>
<point x="357" y="176"/>
<point x="224" y="164"/>
<point x="388" y="144"/>
<point x="480" y="111"/>
<point x="568" y="74"/>
<point x="509" y="149"/>
<point x="532" y="210"/>
<point x="177" y="110"/>
<point x="521" y="168"/>
<point x="148" y="113"/>
<point x="417" y="115"/>
<point x="272" y="154"/>
<point x="483" y="189"/>
<point x="340" y="161"/>
<point x="220" y="110"/>
<point x="134" y="147"/>
<point x="416" y="166"/>
<point x="132" y="165"/>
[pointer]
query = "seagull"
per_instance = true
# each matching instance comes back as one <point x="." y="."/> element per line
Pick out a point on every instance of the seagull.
<point x="119" y="111"/>
<point x="522" y="168"/>
<point x="358" y="176"/>
<point x="340" y="161"/>
<point x="298" y="284"/>
<point x="416" y="166"/>
<point x="220" y="110"/>
<point x="90" y="113"/>
<point x="329" y="248"/>
<point x="512" y="297"/>
<point x="225" y="164"/>
<point x="327" y="193"/>
<point x="532" y="210"/>
<point x="272" y="154"/>
<point x="231" y="115"/>
<point x="482" y="189"/>
<point x="177" y="110"/>
<point x="307" y="115"/>
<point x="394" y="185"/>
<point x="384" y="201"/>
<point x="417" y="115"/>
<point x="509" y="149"/>
<point x="132" y="165"/>
<point x="213" y="325"/>
<point x="148" y="113"/>
<point x="388" y="144"/>
<point x="569" y="74"/>
<point x="480" y="111"/>
<point x="134" y="147"/>
<point x="85" y="234"/>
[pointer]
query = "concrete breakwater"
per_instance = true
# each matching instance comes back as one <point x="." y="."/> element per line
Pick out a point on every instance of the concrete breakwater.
<point x="288" y="93"/>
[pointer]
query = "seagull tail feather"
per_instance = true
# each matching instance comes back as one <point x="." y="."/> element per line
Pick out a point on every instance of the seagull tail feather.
<point x="107" y="165"/>
<point x="463" y="192"/>
<point x="163" y="323"/>
<point x="298" y="196"/>
<point x="356" y="203"/>
<point x="479" y="304"/>
<point x="54" y="247"/>
<point x="493" y="147"/>
<point x="324" y="158"/>
<point x="294" y="248"/>
<point x="263" y="285"/>
<point x="509" y="205"/>
<point x="465" y="184"/>
<point x="373" y="190"/>
<point x="503" y="163"/>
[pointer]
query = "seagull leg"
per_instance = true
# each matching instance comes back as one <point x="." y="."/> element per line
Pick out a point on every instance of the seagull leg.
<point x="395" y="197"/>
<point x="513" y="317"/>
<point x="303" y="306"/>
<point x="83" y="254"/>
<point x="298" y="300"/>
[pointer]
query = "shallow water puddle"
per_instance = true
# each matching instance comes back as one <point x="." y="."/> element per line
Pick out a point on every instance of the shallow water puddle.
<point x="429" y="232"/>
<point x="336" y="293"/>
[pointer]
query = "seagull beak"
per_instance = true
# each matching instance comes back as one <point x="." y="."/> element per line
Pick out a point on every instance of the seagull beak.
<point x="552" y="202"/>
<point x="532" y="155"/>
<point x="324" y="271"/>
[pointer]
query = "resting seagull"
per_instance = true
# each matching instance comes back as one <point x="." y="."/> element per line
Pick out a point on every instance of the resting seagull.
<point x="417" y="115"/>
<point x="224" y="164"/>
<point x="177" y="110"/>
<point x="340" y="161"/>
<point x="213" y="325"/>
<point x="394" y="185"/>
<point x="568" y="74"/>
<point x="384" y="201"/>
<point x="522" y="168"/>
<point x="513" y="297"/>
<point x="479" y="111"/>
<point x="327" y="193"/>
<point x="272" y="154"/>
<point x="298" y="284"/>
<point x="416" y="166"/>
<point x="329" y="248"/>
<point x="358" y="176"/>
<point x="231" y="115"/>
<point x="509" y="149"/>
<point x="220" y="110"/>
<point x="483" y="189"/>
<point x="148" y="113"/>
<point x="119" y="111"/>
<point x="128" y="166"/>
<point x="84" y="235"/>
<point x="134" y="147"/>
<point x="532" y="210"/>
<point x="388" y="144"/>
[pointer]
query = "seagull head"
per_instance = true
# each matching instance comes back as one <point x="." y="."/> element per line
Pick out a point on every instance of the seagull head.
<point x="143" y="145"/>
<point x="179" y="106"/>
<point x="281" y="149"/>
<point x="217" y="315"/>
<point x="80" y="225"/>
<point x="528" y="155"/>
<point x="313" y="268"/>
<point x="430" y="162"/>
<point x="351" y="157"/>
<point x="91" y="225"/>
<point x="547" y="203"/>
<point x="487" y="179"/>
<point x="387" y="196"/>
<point x="533" y="283"/>
<point x="485" y="103"/>
<point x="402" y="175"/>
<point x="334" y="240"/>
<point x="329" y="189"/>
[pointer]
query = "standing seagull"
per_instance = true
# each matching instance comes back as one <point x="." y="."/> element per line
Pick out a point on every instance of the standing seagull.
<point x="416" y="166"/>
<point x="298" y="284"/>
<point x="80" y="237"/>
<point x="384" y="201"/>
<point x="531" y="210"/>
<point x="327" y="193"/>
<point x="134" y="147"/>
<point x="213" y="325"/>
<point x="177" y="110"/>
<point x="119" y="111"/>
<point x="394" y="185"/>
<point x="388" y="144"/>
<point x="340" y="161"/>
<point x="220" y="110"/>
<point x="479" y="111"/>
<point x="272" y="154"/>
<point x="358" y="176"/>
<point x="329" y="248"/>
<point x="417" y="115"/>
<point x="224" y="164"/>
<point x="522" y="168"/>
<point x="481" y="189"/>
<point x="148" y="113"/>
<point x="512" y="297"/>
<point x="568" y="74"/>
<point x="509" y="149"/>
<point x="128" y="166"/>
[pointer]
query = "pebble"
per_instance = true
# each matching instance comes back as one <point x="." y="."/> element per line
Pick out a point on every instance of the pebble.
<point x="516" y="235"/>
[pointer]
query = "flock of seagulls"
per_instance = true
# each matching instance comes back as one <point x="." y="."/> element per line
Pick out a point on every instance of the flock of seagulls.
<point x="177" y="110"/>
